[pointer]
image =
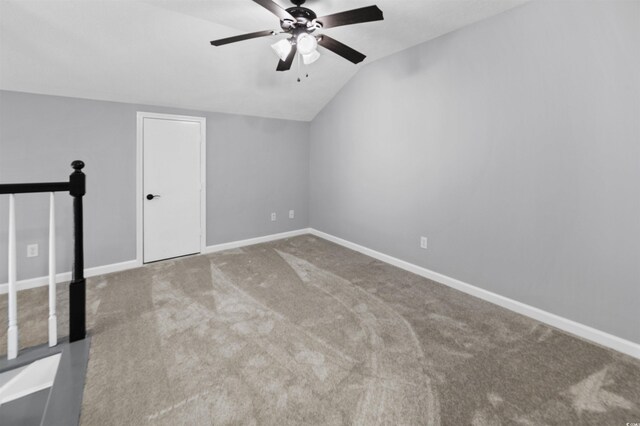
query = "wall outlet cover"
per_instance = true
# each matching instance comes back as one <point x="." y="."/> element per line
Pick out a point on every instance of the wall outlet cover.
<point x="273" y="217"/>
<point x="423" y="242"/>
<point x="292" y="214"/>
<point x="32" y="250"/>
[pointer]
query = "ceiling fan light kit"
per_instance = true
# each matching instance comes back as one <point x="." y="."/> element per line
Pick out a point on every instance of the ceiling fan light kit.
<point x="300" y="22"/>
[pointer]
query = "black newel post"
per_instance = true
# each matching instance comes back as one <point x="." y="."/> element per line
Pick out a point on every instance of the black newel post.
<point x="77" y="294"/>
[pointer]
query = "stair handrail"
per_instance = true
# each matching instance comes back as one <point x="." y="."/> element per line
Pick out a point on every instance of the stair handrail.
<point x="76" y="186"/>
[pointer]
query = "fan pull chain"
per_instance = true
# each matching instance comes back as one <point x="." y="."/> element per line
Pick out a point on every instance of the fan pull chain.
<point x="299" y="73"/>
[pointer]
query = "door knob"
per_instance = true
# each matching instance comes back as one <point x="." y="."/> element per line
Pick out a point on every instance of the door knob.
<point x="151" y="196"/>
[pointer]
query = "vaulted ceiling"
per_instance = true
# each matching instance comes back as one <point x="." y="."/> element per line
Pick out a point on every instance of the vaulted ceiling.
<point x="157" y="52"/>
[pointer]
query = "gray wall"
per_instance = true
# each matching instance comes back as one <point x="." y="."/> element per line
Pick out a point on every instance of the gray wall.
<point x="255" y="166"/>
<point x="513" y="145"/>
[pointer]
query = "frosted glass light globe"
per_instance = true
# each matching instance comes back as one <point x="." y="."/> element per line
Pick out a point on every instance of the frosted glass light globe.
<point x="311" y="57"/>
<point x="282" y="49"/>
<point x="307" y="44"/>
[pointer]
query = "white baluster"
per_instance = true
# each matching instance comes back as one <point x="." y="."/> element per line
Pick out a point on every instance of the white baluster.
<point x="12" y="330"/>
<point x="53" y="321"/>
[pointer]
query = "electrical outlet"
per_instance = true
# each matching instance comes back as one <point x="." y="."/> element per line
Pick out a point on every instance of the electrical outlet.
<point x="273" y="217"/>
<point x="32" y="250"/>
<point x="423" y="242"/>
<point x="292" y="214"/>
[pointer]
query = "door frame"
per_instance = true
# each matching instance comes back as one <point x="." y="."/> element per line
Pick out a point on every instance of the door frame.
<point x="141" y="115"/>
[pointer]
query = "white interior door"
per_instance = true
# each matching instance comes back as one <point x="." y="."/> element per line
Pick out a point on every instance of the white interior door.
<point x="172" y="150"/>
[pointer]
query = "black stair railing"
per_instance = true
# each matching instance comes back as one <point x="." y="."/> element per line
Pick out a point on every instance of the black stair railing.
<point x="76" y="186"/>
<point x="77" y="293"/>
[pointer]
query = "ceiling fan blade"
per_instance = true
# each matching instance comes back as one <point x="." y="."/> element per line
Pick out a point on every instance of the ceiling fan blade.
<point x="241" y="37"/>
<point x="355" y="16"/>
<point x="341" y="49"/>
<point x="275" y="9"/>
<point x="286" y="65"/>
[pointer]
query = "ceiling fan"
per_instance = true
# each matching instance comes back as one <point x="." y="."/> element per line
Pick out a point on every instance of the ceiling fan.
<point x="300" y="23"/>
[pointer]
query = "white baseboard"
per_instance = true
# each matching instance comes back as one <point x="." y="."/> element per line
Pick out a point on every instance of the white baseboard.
<point x="581" y="330"/>
<point x="131" y="264"/>
<point x="257" y="240"/>
<point x="66" y="276"/>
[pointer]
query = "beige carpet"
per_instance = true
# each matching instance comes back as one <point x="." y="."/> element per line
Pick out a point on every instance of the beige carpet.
<point x="302" y="331"/>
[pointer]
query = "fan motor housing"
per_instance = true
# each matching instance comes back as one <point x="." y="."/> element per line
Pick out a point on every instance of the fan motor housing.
<point x="303" y="17"/>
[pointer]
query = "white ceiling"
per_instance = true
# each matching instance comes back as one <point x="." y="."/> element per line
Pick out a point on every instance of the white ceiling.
<point x="157" y="52"/>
